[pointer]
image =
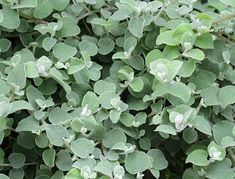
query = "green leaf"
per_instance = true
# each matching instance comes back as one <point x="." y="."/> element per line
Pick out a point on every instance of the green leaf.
<point x="103" y="85"/>
<point x="88" y="47"/>
<point x="60" y="5"/>
<point x="43" y="9"/>
<point x="190" y="135"/>
<point x="63" y="160"/>
<point x="226" y="96"/>
<point x="48" y="157"/>
<point x="196" y="54"/>
<point x="205" y="41"/>
<point x="28" y="124"/>
<point x="166" y="129"/>
<point x="222" y="129"/>
<point x="56" y="134"/>
<point x="25" y="4"/>
<point x="69" y="27"/>
<point x="167" y="38"/>
<point x="106" y="45"/>
<point x="179" y="90"/>
<point x="106" y="167"/>
<point x="136" y="26"/>
<point x="48" y="43"/>
<point x="82" y="147"/>
<point x="63" y="51"/>
<point x="137" y="84"/>
<point x="137" y="162"/>
<point x="11" y="18"/>
<point x="2" y="176"/>
<point x="5" y="44"/>
<point x="58" y="115"/>
<point x="16" y="160"/>
<point x="20" y="105"/>
<point x="159" y="160"/>
<point x="211" y="96"/>
<point x="76" y="65"/>
<point x="73" y="174"/>
<point x="17" y="76"/>
<point x="228" y="2"/>
<point x="114" y="115"/>
<point x="202" y="125"/>
<point x="198" y="157"/>
<point x="90" y="101"/>
<point x="113" y="137"/>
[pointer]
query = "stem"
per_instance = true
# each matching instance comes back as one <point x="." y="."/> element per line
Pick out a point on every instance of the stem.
<point x="200" y="105"/>
<point x="224" y="18"/>
<point x="26" y="164"/>
<point x="32" y="19"/>
<point x="230" y="151"/>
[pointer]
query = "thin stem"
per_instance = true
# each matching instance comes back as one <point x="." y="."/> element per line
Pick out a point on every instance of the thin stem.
<point x="32" y="19"/>
<point x="26" y="164"/>
<point x="200" y="105"/>
<point x="224" y="18"/>
<point x="230" y="151"/>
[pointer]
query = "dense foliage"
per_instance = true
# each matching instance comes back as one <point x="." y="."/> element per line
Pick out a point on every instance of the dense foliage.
<point x="118" y="89"/>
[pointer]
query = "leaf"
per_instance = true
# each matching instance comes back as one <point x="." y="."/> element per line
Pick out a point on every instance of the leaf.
<point x="227" y="95"/>
<point x="115" y="115"/>
<point x="48" y="157"/>
<point x="113" y="137"/>
<point x="222" y="129"/>
<point x="90" y="101"/>
<point x="16" y="160"/>
<point x="56" y="134"/>
<point x="211" y="96"/>
<point x="48" y="43"/>
<point x="179" y="90"/>
<point x="75" y="65"/>
<point x="106" y="45"/>
<point x="136" y="26"/>
<point x="43" y="9"/>
<point x="17" y="76"/>
<point x="166" y="37"/>
<point x="82" y="147"/>
<point x="58" y="115"/>
<point x="2" y="176"/>
<point x="63" y="51"/>
<point x="166" y="129"/>
<point x="196" y="54"/>
<point x="202" y="125"/>
<point x="137" y="162"/>
<point x="5" y="44"/>
<point x="11" y="18"/>
<point x="205" y="41"/>
<point x="137" y="84"/>
<point x="89" y="47"/>
<point x="28" y="124"/>
<point x="63" y="160"/>
<point x="190" y="135"/>
<point x="228" y="2"/>
<point x="103" y="85"/>
<point x="20" y="105"/>
<point x="73" y="174"/>
<point x="69" y="27"/>
<point x="198" y="157"/>
<point x="25" y="4"/>
<point x="106" y="167"/>
<point x="159" y="160"/>
<point x="60" y="5"/>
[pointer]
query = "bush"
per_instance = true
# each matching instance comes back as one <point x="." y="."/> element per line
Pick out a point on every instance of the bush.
<point x="118" y="89"/>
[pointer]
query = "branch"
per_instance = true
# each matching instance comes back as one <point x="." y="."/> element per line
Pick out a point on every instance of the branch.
<point x="224" y="18"/>
<point x="32" y="19"/>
